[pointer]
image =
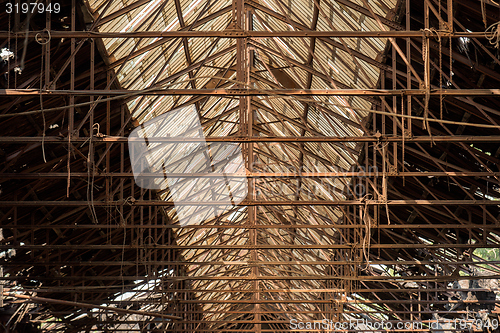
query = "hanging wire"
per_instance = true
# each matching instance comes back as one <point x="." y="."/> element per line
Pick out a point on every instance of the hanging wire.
<point x="367" y="220"/>
<point x="425" y="58"/>
<point x="41" y="105"/>
<point x="492" y="34"/>
<point x="451" y="57"/>
<point x="39" y="39"/>
<point x="483" y="12"/>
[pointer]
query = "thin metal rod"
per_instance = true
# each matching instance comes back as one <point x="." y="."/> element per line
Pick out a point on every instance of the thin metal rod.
<point x="253" y="203"/>
<point x="244" y="247"/>
<point x="36" y="299"/>
<point x="263" y="226"/>
<point x="363" y="174"/>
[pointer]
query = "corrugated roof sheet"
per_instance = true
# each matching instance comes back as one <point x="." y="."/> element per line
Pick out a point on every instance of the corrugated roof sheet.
<point x="165" y="64"/>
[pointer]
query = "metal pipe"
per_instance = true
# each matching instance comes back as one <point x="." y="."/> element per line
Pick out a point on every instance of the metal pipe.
<point x="36" y="299"/>
<point x="285" y="139"/>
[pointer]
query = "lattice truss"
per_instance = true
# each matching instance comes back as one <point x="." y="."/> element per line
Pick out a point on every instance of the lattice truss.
<point x="371" y="156"/>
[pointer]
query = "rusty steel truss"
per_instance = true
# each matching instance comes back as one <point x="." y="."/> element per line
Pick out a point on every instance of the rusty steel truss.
<point x="370" y="134"/>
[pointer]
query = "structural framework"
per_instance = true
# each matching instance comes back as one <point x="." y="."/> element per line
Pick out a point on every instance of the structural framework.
<point x="370" y="137"/>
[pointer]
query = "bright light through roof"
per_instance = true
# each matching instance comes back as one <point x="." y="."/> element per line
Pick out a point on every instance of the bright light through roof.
<point x="136" y="21"/>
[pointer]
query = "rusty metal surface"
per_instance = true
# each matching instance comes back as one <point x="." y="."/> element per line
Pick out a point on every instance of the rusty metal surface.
<point x="372" y="162"/>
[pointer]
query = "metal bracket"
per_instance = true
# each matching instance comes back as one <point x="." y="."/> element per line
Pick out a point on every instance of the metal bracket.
<point x="393" y="170"/>
<point x="407" y="133"/>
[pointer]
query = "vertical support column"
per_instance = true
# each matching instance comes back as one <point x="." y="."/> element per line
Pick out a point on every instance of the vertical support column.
<point x="242" y="20"/>
<point x="408" y="112"/>
<point x="108" y="132"/>
<point x="239" y="23"/>
<point x="90" y="163"/>
<point x="72" y="70"/>
<point x="47" y="50"/>
<point x="408" y="71"/>
<point x="450" y="15"/>
<point x="17" y="16"/>
<point x="382" y="151"/>
<point x="71" y="120"/>
<point x="425" y="41"/>
<point x="426" y="60"/>
<point x="394" y="165"/>
<point x="355" y="237"/>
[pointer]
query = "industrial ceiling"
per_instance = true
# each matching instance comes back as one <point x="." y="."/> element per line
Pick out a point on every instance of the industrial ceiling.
<point x="369" y="136"/>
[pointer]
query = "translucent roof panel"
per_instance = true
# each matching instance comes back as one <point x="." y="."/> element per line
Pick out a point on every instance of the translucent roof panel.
<point x="277" y="63"/>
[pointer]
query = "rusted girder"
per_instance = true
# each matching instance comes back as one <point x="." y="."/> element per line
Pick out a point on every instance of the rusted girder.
<point x="261" y="175"/>
<point x="253" y="203"/>
<point x="425" y="278"/>
<point x="263" y="226"/>
<point x="240" y="34"/>
<point x="255" y="92"/>
<point x="239" y="263"/>
<point x="284" y="139"/>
